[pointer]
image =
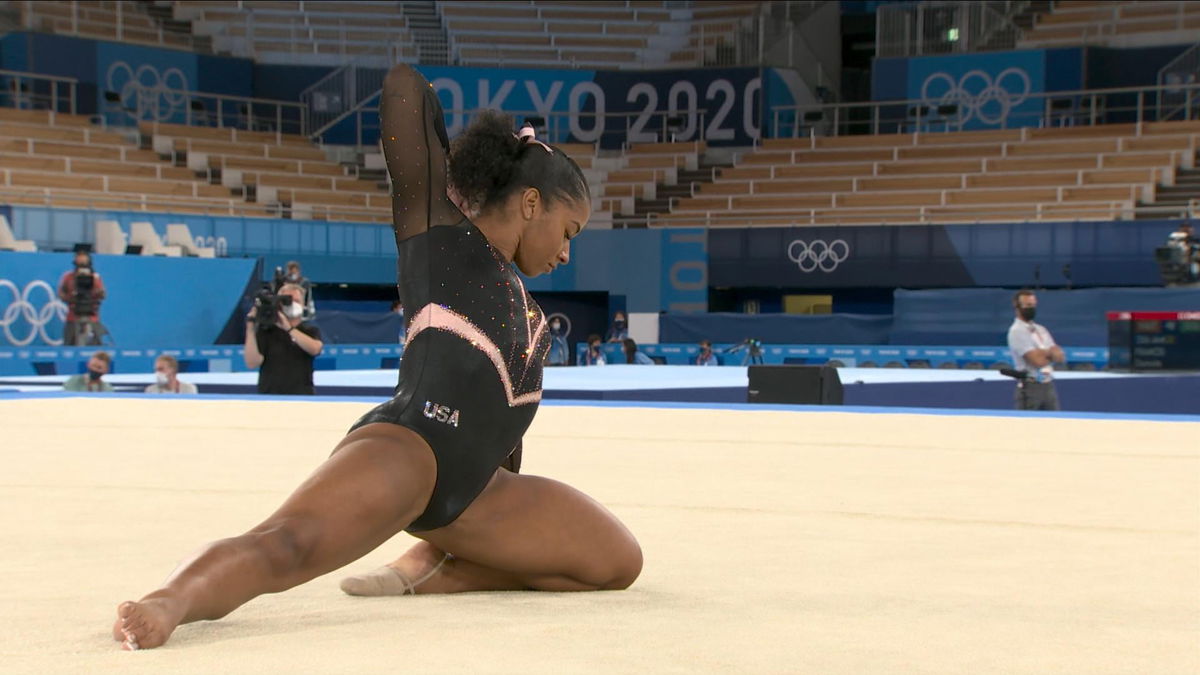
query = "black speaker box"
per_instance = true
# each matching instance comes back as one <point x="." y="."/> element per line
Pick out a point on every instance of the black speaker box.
<point x="810" y="385"/>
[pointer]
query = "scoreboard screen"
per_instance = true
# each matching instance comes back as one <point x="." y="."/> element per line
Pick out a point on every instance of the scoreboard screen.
<point x="1154" y="340"/>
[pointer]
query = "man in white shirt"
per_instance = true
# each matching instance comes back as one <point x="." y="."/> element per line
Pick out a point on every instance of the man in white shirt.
<point x="1034" y="352"/>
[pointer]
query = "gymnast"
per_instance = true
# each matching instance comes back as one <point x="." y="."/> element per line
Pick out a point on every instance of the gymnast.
<point x="432" y="460"/>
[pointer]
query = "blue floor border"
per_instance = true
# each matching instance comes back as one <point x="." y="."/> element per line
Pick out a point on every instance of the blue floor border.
<point x="751" y="407"/>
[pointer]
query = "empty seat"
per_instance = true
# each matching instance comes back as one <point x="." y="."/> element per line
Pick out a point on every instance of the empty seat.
<point x="143" y="234"/>
<point x="9" y="242"/>
<point x="180" y="235"/>
<point x="110" y="238"/>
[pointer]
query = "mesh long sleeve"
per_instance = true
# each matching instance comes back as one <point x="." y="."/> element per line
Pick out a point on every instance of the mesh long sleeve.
<point x="416" y="149"/>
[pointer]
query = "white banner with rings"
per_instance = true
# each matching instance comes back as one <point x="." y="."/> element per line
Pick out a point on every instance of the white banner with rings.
<point x="30" y="314"/>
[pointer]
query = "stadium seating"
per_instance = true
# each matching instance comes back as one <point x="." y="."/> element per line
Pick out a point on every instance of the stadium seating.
<point x="102" y="19"/>
<point x="262" y="28"/>
<point x="1097" y="173"/>
<point x="1095" y="22"/>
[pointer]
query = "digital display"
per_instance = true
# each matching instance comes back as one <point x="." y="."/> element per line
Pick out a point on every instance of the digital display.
<point x="1142" y="341"/>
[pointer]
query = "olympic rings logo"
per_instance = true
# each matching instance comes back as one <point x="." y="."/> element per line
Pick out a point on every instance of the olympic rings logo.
<point x="147" y="94"/>
<point x="818" y="255"/>
<point x="977" y="95"/>
<point x="22" y="308"/>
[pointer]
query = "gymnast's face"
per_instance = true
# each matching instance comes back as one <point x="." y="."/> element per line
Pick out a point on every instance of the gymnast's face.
<point x="548" y="230"/>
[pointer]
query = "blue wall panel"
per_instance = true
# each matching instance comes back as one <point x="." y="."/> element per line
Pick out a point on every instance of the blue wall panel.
<point x="1094" y="254"/>
<point x="991" y="89"/>
<point x="151" y="301"/>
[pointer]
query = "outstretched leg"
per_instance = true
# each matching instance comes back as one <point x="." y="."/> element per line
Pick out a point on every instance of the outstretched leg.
<point x="377" y="481"/>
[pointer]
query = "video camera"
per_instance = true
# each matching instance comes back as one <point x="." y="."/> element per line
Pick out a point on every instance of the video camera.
<point x="83" y="304"/>
<point x="269" y="303"/>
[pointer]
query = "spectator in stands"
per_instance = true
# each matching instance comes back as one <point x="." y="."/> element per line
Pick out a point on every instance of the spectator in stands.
<point x="93" y="379"/>
<point x="559" y="354"/>
<point x="594" y="356"/>
<point x="706" y="357"/>
<point x="82" y="290"/>
<point x="294" y="276"/>
<point x="166" y="378"/>
<point x="633" y="356"/>
<point x="619" y="331"/>
<point x="1033" y="354"/>
<point x="284" y="350"/>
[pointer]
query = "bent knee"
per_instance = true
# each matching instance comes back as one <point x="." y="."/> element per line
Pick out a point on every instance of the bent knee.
<point x="626" y="569"/>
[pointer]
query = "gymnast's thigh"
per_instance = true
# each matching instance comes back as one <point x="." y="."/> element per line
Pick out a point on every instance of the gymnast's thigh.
<point x="537" y="528"/>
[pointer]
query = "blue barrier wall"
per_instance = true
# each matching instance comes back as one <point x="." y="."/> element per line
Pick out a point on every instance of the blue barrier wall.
<point x="659" y="270"/>
<point x="981" y="316"/>
<point x="848" y="329"/>
<point x="851" y="356"/>
<point x="30" y="361"/>
<point x="151" y="301"/>
<point x="1095" y="254"/>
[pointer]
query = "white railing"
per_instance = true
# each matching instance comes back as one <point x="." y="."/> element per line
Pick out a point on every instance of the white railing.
<point x="957" y="110"/>
<point x="1178" y="102"/>
<point x="199" y="108"/>
<point x="103" y="201"/>
<point x="561" y="127"/>
<point x="31" y="91"/>
<point x="1101" y="31"/>
<point x="77" y="22"/>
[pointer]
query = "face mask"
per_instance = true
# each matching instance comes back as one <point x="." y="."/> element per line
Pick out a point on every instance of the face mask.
<point x="162" y="378"/>
<point x="555" y="326"/>
<point x="293" y="311"/>
<point x="95" y="374"/>
<point x="294" y="276"/>
<point x="619" y="323"/>
<point x="1028" y="313"/>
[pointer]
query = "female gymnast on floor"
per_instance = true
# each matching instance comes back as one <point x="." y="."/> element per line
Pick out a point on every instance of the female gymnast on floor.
<point x="429" y="461"/>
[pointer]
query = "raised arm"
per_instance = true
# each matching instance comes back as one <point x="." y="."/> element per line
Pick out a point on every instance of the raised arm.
<point x="416" y="148"/>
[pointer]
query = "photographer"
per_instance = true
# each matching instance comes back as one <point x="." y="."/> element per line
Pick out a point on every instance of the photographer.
<point x="295" y="276"/>
<point x="82" y="291"/>
<point x="1184" y="250"/>
<point x="1033" y="354"/>
<point x="283" y="348"/>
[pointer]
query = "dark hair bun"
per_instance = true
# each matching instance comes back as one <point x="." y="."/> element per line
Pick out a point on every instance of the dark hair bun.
<point x="484" y="158"/>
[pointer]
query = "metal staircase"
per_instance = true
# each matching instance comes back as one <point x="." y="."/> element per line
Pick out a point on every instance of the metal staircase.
<point x="425" y="25"/>
<point x="1181" y="196"/>
<point x="164" y="16"/>
<point x="667" y="196"/>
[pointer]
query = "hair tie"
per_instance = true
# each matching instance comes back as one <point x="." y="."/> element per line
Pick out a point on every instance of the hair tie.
<point x="528" y="135"/>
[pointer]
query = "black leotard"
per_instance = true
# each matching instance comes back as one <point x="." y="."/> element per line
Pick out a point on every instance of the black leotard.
<point x="471" y="375"/>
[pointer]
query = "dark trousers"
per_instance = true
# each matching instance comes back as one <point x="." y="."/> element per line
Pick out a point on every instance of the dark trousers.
<point x="1037" y="396"/>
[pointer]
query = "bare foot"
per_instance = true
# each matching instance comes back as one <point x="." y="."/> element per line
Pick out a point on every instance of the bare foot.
<point x="146" y="624"/>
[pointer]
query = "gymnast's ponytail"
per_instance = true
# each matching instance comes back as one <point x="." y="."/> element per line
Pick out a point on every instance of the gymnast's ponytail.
<point x="488" y="163"/>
